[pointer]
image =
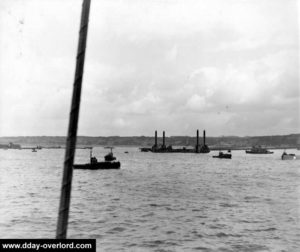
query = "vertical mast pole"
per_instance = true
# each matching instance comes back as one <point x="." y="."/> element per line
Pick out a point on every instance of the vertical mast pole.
<point x="62" y="223"/>
<point x="197" y="145"/>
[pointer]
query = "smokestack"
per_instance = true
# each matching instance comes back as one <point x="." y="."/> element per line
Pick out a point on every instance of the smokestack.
<point x="203" y="137"/>
<point x="197" y="138"/>
<point x="163" y="138"/>
<point x="155" y="137"/>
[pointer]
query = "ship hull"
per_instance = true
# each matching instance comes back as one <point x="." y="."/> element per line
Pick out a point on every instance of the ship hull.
<point x="98" y="166"/>
<point x="288" y="157"/>
<point x="226" y="156"/>
<point x="257" y="152"/>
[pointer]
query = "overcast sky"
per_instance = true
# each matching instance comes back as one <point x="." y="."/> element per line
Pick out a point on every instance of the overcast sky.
<point x="228" y="66"/>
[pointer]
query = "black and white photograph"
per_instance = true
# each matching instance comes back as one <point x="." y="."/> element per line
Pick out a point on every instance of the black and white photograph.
<point x="150" y="125"/>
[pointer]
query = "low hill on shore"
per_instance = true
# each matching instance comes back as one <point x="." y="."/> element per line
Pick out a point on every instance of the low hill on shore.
<point x="233" y="142"/>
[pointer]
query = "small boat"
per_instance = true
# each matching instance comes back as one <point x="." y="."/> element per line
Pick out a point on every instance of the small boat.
<point x="108" y="163"/>
<point x="286" y="156"/>
<point x="34" y="150"/>
<point x="258" y="150"/>
<point x="224" y="155"/>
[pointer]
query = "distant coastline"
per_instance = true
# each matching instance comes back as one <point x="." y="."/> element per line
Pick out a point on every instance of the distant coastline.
<point x="224" y="142"/>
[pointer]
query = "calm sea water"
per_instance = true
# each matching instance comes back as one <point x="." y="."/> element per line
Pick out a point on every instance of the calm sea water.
<point x="157" y="202"/>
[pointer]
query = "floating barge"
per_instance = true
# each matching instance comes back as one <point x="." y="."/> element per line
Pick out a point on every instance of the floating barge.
<point x="169" y="149"/>
<point x="10" y="146"/>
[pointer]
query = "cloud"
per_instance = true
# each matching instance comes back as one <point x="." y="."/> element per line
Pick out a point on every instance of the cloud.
<point x="172" y="54"/>
<point x="197" y="103"/>
<point x="231" y="67"/>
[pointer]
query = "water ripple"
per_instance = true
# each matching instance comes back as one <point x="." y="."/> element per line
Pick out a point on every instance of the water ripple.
<point x="156" y="202"/>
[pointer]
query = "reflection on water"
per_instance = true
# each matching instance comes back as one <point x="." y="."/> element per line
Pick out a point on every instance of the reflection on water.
<point x="156" y="202"/>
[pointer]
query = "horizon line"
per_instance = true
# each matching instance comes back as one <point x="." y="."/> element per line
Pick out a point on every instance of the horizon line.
<point x="152" y="136"/>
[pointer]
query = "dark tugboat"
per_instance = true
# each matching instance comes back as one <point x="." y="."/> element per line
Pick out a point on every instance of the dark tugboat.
<point x="224" y="155"/>
<point x="258" y="150"/>
<point x="108" y="163"/>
